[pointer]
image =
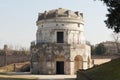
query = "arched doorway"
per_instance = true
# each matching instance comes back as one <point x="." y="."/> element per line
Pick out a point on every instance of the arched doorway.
<point x="78" y="63"/>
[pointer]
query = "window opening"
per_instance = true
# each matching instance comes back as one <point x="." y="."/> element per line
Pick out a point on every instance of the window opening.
<point x="60" y="37"/>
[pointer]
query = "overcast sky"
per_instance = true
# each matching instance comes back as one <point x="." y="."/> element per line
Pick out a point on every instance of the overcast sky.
<point x="18" y="19"/>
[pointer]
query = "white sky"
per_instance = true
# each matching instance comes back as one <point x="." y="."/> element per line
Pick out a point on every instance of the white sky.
<point x="18" y="19"/>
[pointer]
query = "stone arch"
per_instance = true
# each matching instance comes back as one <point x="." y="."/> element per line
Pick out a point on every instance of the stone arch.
<point x="78" y="64"/>
<point x="59" y="58"/>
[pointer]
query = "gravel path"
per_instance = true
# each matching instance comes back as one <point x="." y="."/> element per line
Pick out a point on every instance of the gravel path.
<point x="38" y="77"/>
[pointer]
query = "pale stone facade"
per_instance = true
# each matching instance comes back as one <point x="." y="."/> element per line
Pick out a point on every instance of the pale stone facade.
<point x="60" y="43"/>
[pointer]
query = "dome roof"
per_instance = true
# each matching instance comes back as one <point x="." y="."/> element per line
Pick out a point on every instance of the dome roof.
<point x="60" y="12"/>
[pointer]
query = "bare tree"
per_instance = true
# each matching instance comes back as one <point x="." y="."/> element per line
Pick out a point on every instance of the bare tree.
<point x="116" y="38"/>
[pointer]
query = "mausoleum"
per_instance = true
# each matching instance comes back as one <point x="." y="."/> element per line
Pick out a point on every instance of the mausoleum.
<point x="60" y="46"/>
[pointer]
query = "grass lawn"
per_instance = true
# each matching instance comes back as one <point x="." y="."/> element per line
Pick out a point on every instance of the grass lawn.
<point x="107" y="71"/>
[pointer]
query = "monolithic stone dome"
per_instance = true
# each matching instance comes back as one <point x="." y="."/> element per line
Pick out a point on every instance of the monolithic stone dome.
<point x="58" y="13"/>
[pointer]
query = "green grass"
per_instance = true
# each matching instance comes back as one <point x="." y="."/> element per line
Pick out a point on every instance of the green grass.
<point x="107" y="71"/>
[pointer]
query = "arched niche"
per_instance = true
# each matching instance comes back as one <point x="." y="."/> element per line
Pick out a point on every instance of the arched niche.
<point x="78" y="62"/>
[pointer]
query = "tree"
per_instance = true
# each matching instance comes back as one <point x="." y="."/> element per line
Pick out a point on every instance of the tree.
<point x="116" y="37"/>
<point x="113" y="17"/>
<point x="100" y="49"/>
<point x="92" y="49"/>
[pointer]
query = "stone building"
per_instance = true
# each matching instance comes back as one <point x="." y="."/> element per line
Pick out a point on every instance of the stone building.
<point x="112" y="48"/>
<point x="60" y="46"/>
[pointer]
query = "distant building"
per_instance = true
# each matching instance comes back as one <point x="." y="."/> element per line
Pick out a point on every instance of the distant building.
<point x="110" y="54"/>
<point x="111" y="47"/>
<point x="60" y="46"/>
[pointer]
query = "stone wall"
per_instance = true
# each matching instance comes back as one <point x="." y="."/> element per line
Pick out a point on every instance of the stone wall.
<point x="13" y="57"/>
<point x="45" y="56"/>
<point x="47" y="31"/>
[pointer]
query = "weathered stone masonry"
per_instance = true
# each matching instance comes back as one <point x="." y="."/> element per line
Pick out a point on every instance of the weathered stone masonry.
<point x="60" y="43"/>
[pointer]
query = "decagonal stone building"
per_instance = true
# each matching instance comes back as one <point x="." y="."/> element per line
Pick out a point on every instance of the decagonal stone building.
<point x="60" y="46"/>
